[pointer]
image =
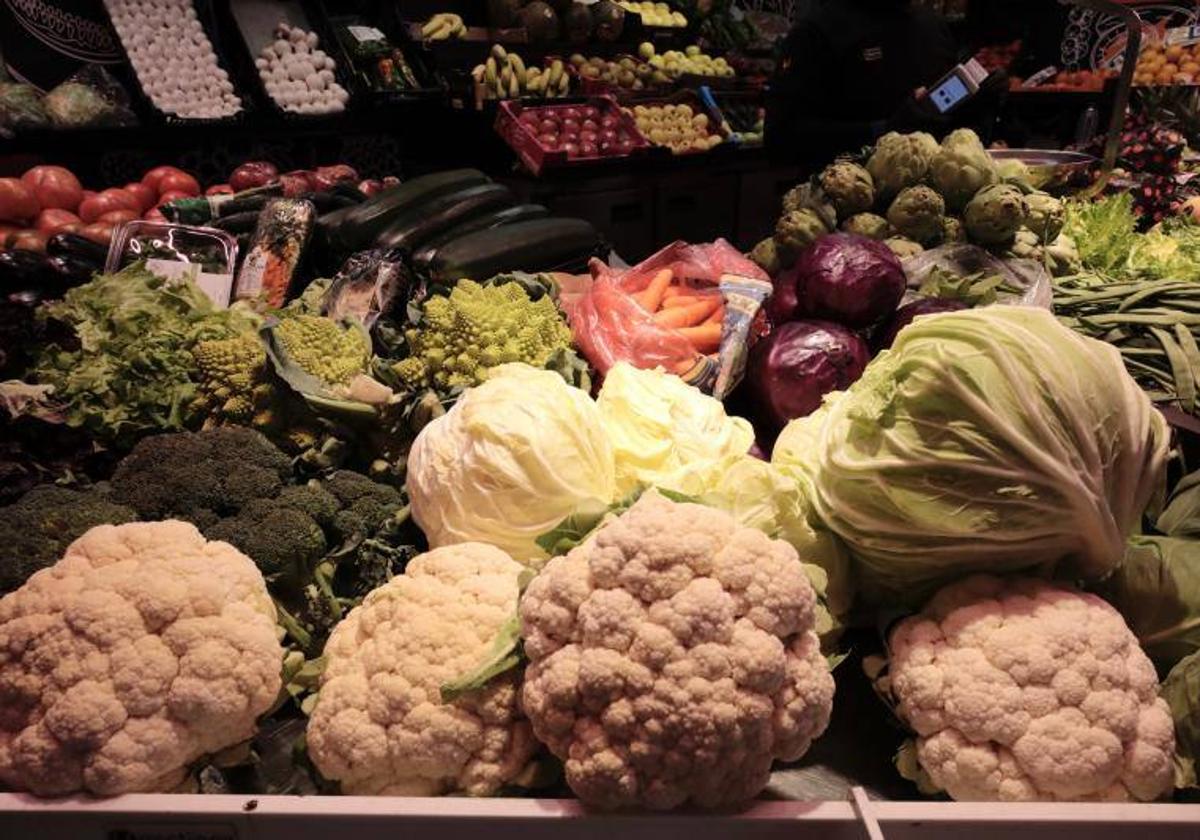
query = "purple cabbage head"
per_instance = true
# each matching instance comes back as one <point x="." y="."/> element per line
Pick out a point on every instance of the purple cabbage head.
<point x="849" y="280"/>
<point x="906" y="314"/>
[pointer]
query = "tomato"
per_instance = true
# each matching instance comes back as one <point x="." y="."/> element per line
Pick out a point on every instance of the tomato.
<point x="253" y="173"/>
<point x="219" y="189"/>
<point x="145" y="195"/>
<point x="17" y="201"/>
<point x="178" y="182"/>
<point x="115" y="217"/>
<point x="98" y="232"/>
<point x="5" y="232"/>
<point x="55" y="187"/>
<point x="154" y="215"/>
<point x="28" y="240"/>
<point x="153" y="178"/>
<point x="173" y="195"/>
<point x="91" y="209"/>
<point x="53" y="220"/>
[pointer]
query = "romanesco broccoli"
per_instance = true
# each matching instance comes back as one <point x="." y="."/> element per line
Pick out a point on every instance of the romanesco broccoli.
<point x="328" y="350"/>
<point x="477" y="328"/>
<point x="234" y="382"/>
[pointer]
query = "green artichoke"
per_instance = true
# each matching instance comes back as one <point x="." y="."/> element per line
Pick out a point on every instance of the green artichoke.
<point x="1062" y="256"/>
<point x="952" y="230"/>
<point x="961" y="168"/>
<point x="995" y="213"/>
<point x="868" y="225"/>
<point x="810" y="196"/>
<point x="1045" y="216"/>
<point x="1025" y="245"/>
<point x="903" y="248"/>
<point x="798" y="229"/>
<point x="901" y="160"/>
<point x="917" y="214"/>
<point x="1016" y="172"/>
<point x="767" y="257"/>
<point x="849" y="186"/>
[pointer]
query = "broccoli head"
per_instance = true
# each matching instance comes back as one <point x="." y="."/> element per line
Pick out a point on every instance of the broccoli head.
<point x="477" y="327"/>
<point x="334" y="353"/>
<point x="285" y="543"/>
<point x="366" y="505"/>
<point x="199" y="476"/>
<point x="36" y="530"/>
<point x="313" y="500"/>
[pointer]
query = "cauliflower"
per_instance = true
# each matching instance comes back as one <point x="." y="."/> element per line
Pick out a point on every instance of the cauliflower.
<point x="849" y="187"/>
<point x="1024" y="690"/>
<point x="902" y="247"/>
<point x="901" y="160"/>
<point x="143" y="649"/>
<point x="961" y="168"/>
<point x="995" y="213"/>
<point x="672" y="658"/>
<point x="477" y="328"/>
<point x="332" y="352"/>
<point x="797" y="229"/>
<point x="380" y="725"/>
<point x="917" y="214"/>
<point x="867" y="224"/>
<point x="1045" y="216"/>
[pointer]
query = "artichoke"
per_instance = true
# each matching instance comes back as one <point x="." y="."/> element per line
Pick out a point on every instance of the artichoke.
<point x="917" y="214"/>
<point x="798" y="229"/>
<point x="901" y="160"/>
<point x="1045" y="216"/>
<point x="810" y="196"/>
<point x="995" y="213"/>
<point x="1025" y="245"/>
<point x="961" y="168"/>
<point x="952" y="230"/>
<point x="868" y="225"/>
<point x="1016" y="172"/>
<point x="1062" y="256"/>
<point x="849" y="186"/>
<point x="903" y="248"/>
<point x="767" y="257"/>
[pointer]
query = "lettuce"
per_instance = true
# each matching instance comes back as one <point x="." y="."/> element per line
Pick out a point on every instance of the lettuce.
<point x="1104" y="231"/>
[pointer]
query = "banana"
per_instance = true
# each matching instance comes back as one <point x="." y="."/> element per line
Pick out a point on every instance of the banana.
<point x="556" y="72"/>
<point x="499" y="53"/>
<point x="477" y="73"/>
<point x="431" y="25"/>
<point x="514" y="86"/>
<point x="517" y="64"/>
<point x="564" y="85"/>
<point x="490" y="71"/>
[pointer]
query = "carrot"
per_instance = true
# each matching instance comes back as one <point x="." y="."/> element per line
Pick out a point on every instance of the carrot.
<point x="651" y="297"/>
<point x="705" y="338"/>
<point x="687" y="316"/>
<point x="677" y="291"/>
<point x="683" y="300"/>
<point x="717" y="317"/>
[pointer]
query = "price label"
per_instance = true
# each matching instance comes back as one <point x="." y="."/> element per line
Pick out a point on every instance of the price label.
<point x="174" y="831"/>
<point x="364" y="34"/>
<point x="1182" y="36"/>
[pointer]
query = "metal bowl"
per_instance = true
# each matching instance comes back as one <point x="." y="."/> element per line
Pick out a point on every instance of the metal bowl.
<point x="1050" y="170"/>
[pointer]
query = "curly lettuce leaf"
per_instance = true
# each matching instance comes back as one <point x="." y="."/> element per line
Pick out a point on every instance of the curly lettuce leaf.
<point x="1105" y="231"/>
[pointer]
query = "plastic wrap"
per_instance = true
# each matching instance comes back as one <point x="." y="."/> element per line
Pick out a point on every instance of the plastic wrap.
<point x="1029" y="276"/>
<point x="203" y="255"/>
<point x="21" y="108"/>
<point x="89" y="98"/>
<point x="369" y="284"/>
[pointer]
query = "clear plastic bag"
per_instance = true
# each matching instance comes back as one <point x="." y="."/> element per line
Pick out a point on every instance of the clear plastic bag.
<point x="369" y="284"/>
<point x="21" y="107"/>
<point x="1030" y="276"/>
<point x="89" y="98"/>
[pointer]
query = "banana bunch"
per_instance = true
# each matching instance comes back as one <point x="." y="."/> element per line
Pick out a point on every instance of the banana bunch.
<point x="505" y="76"/>
<point x="442" y="27"/>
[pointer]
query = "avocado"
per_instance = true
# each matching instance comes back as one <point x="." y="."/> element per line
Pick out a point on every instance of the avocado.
<point x="503" y="14"/>
<point x="608" y="19"/>
<point x="540" y="22"/>
<point x="577" y="23"/>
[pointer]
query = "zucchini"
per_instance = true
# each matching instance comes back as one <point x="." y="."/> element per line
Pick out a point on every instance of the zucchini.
<point x="79" y="247"/>
<point x="520" y="213"/>
<point x="537" y="245"/>
<point x="238" y="222"/>
<point x="362" y="224"/>
<point x="414" y="229"/>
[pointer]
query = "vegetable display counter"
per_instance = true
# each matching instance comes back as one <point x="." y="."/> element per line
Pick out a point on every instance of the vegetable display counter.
<point x="163" y="817"/>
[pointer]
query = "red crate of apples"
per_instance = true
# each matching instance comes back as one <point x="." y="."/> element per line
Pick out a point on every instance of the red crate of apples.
<point x="569" y="133"/>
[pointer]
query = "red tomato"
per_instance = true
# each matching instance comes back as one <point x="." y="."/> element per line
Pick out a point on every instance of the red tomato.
<point x="178" y="182"/>
<point x="5" y="232"/>
<point x="17" y="201"/>
<point x="155" y="175"/>
<point x="91" y="209"/>
<point x="98" y="232"/>
<point x="115" y="217"/>
<point x="28" y="240"/>
<point x="145" y="195"/>
<point x="253" y="173"/>
<point x="53" y="220"/>
<point x="154" y="215"/>
<point x="56" y="188"/>
<point x="172" y="195"/>
<point x="219" y="189"/>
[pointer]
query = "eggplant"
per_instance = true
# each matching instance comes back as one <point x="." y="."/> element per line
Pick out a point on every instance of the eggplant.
<point x="21" y="269"/>
<point x="78" y="247"/>
<point x="70" y="270"/>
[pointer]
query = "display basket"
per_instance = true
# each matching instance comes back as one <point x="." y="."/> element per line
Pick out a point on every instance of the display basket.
<point x="536" y="157"/>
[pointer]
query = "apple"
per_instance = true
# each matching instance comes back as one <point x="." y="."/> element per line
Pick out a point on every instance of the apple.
<point x="587" y="136"/>
<point x="588" y="149"/>
<point x="548" y="139"/>
<point x="548" y="126"/>
<point x="589" y="112"/>
<point x="609" y="121"/>
<point x="590" y="125"/>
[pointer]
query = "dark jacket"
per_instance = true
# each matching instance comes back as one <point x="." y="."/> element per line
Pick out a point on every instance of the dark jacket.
<point x="847" y="73"/>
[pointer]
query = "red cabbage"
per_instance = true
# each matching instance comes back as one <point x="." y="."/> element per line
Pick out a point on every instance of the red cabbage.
<point x="784" y="303"/>
<point x="793" y="368"/>
<point x="910" y="311"/>
<point x="849" y="279"/>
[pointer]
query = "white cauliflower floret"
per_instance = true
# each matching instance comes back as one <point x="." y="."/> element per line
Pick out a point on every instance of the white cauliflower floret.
<point x="380" y="725"/>
<point x="143" y="649"/>
<point x="1023" y="690"/>
<point x="673" y="659"/>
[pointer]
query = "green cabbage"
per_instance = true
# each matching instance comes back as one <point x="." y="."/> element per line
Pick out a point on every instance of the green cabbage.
<point x="988" y="440"/>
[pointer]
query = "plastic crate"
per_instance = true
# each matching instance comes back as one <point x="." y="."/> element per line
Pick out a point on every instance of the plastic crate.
<point x="693" y="101"/>
<point x="536" y="157"/>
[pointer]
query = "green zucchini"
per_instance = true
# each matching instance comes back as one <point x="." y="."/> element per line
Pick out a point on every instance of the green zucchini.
<point x="362" y="224"/>
<point x="438" y="215"/>
<point x="536" y="245"/>
<point x="507" y="216"/>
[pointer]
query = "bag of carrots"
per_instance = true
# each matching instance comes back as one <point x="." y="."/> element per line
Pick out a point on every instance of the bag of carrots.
<point x="687" y="309"/>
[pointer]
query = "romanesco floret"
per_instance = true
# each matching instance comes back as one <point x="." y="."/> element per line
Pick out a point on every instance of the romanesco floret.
<point x="477" y="328"/>
<point x="328" y="350"/>
<point x="233" y="383"/>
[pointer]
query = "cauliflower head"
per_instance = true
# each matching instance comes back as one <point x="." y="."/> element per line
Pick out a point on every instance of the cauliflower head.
<point x="961" y="168"/>
<point x="1045" y="216"/>
<point x="143" y="649"/>
<point x="995" y="214"/>
<point x="672" y="659"/>
<point x="475" y="329"/>
<point x="1023" y="690"/>
<point x="849" y="186"/>
<point x="797" y="229"/>
<point x="869" y="225"/>
<point x="380" y="725"/>
<point x="333" y="352"/>
<point x="918" y="213"/>
<point x="901" y="160"/>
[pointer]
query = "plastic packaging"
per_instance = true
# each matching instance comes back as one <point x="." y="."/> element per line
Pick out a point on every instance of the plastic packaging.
<point x="369" y="284"/>
<point x="1029" y="276"/>
<point x="21" y="108"/>
<point x="280" y="239"/>
<point x="205" y="256"/>
<point x="89" y="98"/>
<point x="610" y="326"/>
